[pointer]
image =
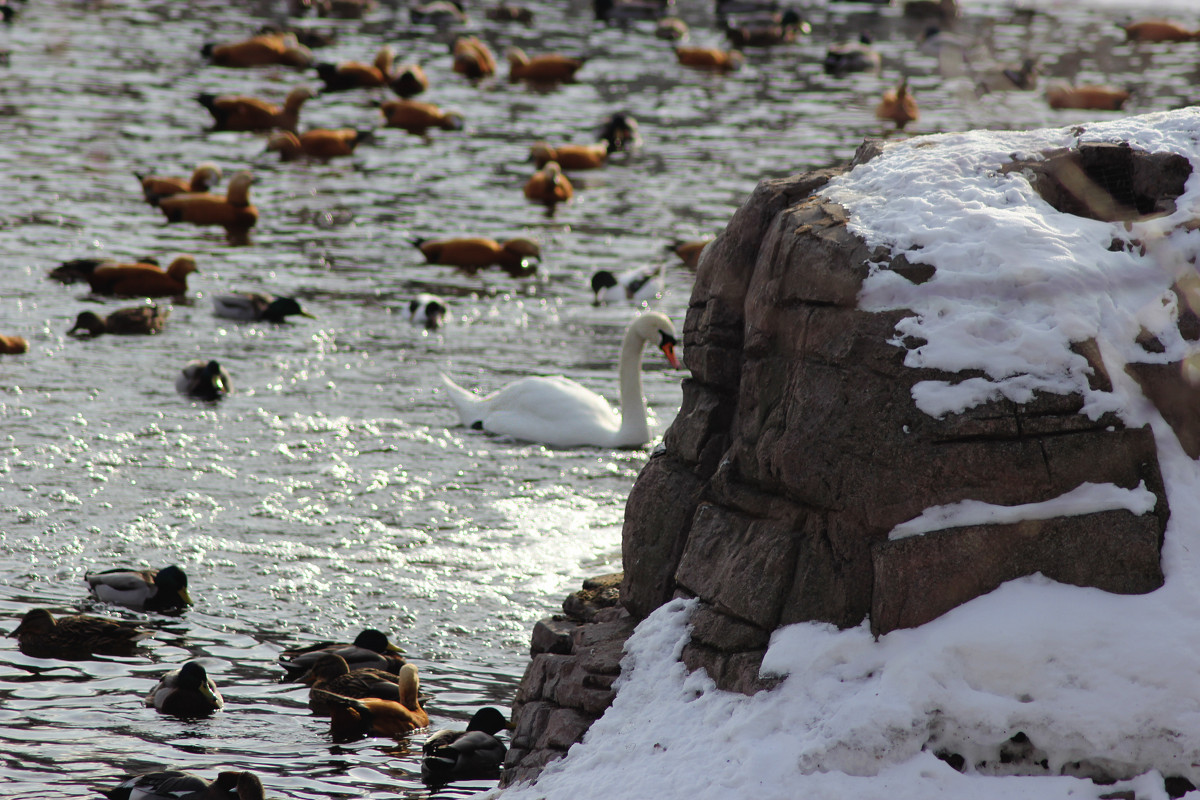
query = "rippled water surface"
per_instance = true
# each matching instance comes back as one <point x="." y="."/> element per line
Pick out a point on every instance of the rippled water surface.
<point x="334" y="490"/>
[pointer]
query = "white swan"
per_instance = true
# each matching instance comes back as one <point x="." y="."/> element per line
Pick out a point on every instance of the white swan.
<point x="559" y="412"/>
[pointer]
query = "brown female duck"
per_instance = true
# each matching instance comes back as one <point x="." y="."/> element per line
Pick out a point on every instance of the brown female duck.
<point x="321" y="144"/>
<point x="76" y="636"/>
<point x="417" y="117"/>
<point x="133" y="320"/>
<point x="545" y="68"/>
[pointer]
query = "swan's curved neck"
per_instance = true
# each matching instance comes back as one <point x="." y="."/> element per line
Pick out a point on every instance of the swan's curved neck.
<point x="635" y="430"/>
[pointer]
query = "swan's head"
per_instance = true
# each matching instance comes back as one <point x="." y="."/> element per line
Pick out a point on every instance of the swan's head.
<point x="659" y="330"/>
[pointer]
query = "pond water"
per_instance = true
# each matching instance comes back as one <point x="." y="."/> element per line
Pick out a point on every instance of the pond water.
<point x="334" y="490"/>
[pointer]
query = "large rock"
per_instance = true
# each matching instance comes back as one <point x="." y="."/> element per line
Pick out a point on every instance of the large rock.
<point x="799" y="448"/>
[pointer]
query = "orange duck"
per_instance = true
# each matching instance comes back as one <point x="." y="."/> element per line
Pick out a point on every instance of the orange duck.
<point x="709" y="58"/>
<point x="471" y="254"/>
<point x="548" y="185"/>
<point x="1158" y="30"/>
<point x="143" y="280"/>
<point x="357" y="75"/>
<point x="409" y="80"/>
<point x="546" y="68"/>
<point x="233" y="112"/>
<point x="156" y="187"/>
<point x="259" y="51"/>
<point x="13" y="345"/>
<point x="233" y="211"/>
<point x="352" y="718"/>
<point x="1098" y="98"/>
<point x="898" y="106"/>
<point x="319" y="143"/>
<point x="417" y="117"/>
<point x="473" y="58"/>
<point x="689" y="251"/>
<point x="570" y="156"/>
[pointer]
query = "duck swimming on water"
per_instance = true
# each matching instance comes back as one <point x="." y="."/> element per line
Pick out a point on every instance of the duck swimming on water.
<point x="150" y="589"/>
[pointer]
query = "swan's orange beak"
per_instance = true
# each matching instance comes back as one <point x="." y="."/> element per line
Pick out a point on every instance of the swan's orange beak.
<point x="668" y="349"/>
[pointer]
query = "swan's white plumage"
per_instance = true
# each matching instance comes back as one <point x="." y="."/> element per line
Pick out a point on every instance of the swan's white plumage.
<point x="560" y="412"/>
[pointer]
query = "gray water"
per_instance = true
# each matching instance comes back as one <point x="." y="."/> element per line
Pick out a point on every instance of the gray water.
<point x="334" y="490"/>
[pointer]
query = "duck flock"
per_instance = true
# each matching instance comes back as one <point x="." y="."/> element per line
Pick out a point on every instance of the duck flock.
<point x="536" y="182"/>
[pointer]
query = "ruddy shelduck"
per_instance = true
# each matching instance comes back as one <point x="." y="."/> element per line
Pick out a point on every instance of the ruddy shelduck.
<point x="1158" y="30"/>
<point x="156" y="187"/>
<point x="233" y="112"/>
<point x="709" y="58"/>
<point x="898" y="106"/>
<point x="346" y="75"/>
<point x="545" y="68"/>
<point x="417" y="117"/>
<point x="473" y="58"/>
<point x="1098" y="98"/>
<point x="351" y="718"/>
<point x="233" y="211"/>
<point x="570" y="156"/>
<point x="143" y="280"/>
<point x="549" y="185"/>
<point x="13" y="345"/>
<point x="409" y="80"/>
<point x="319" y="143"/>
<point x="471" y="254"/>
<point x="261" y="50"/>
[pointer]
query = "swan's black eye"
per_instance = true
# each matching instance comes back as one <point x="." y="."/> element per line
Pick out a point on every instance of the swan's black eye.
<point x="667" y="339"/>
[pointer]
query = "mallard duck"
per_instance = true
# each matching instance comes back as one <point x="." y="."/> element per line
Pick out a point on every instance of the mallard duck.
<point x="176" y="785"/>
<point x="898" y="106"/>
<point x="460" y="755"/>
<point x="709" y="58"/>
<point x="332" y="675"/>
<point x="233" y="211"/>
<point x="353" y="718"/>
<point x="471" y="254"/>
<point x="133" y="320"/>
<point x="544" y="68"/>
<point x="570" y="156"/>
<point x="261" y="50"/>
<point x="13" y="345"/>
<point x="858" y="56"/>
<point x="689" y="251"/>
<point x="371" y="648"/>
<point x="417" y="117"/>
<point x="321" y="144"/>
<point x="409" y="80"/>
<point x="143" y="280"/>
<point x="237" y="112"/>
<point x="620" y="130"/>
<point x="549" y="185"/>
<point x="1098" y="98"/>
<point x="346" y="75"/>
<point x="504" y="12"/>
<point x="624" y="11"/>
<point x="76" y="636"/>
<point x="426" y="310"/>
<point x="256" y="307"/>
<point x="472" y="58"/>
<point x="156" y="187"/>
<point x="773" y="29"/>
<point x="637" y="286"/>
<point x="204" y="380"/>
<point x="186" y="692"/>
<point x="150" y="589"/>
